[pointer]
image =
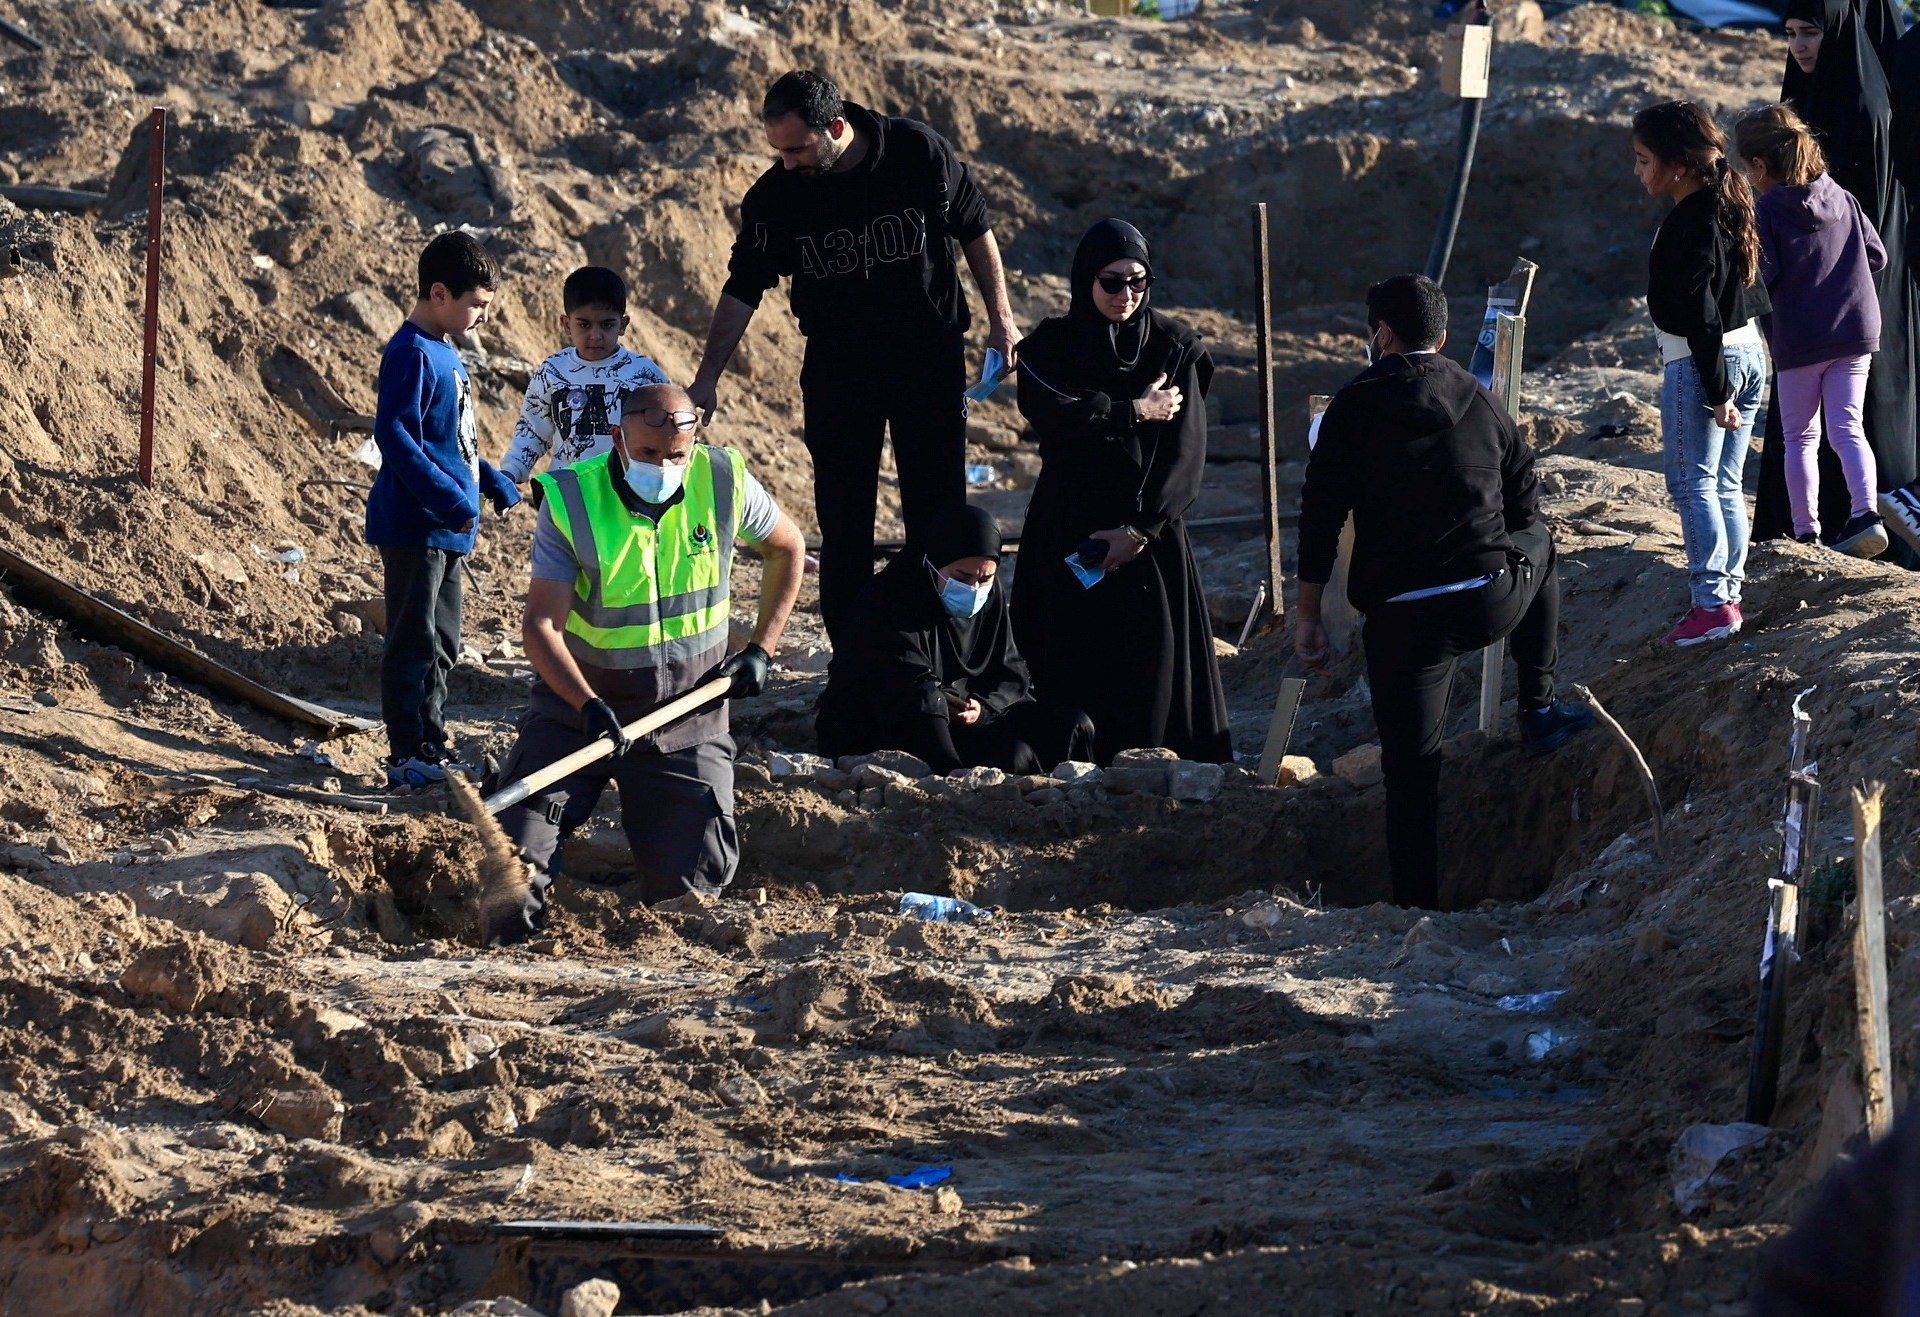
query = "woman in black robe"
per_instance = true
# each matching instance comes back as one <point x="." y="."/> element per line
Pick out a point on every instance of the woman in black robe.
<point x="931" y="668"/>
<point x="1116" y="393"/>
<point x="1845" y="100"/>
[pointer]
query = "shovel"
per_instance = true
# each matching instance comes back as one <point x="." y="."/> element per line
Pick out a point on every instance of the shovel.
<point x="600" y="749"/>
<point x="505" y="877"/>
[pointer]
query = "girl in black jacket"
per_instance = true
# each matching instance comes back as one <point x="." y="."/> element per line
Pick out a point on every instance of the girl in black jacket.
<point x="1704" y="295"/>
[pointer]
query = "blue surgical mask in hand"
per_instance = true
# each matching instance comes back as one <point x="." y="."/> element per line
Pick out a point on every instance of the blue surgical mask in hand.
<point x="1087" y="576"/>
<point x="654" y="484"/>
<point x="991" y="373"/>
<point x="963" y="600"/>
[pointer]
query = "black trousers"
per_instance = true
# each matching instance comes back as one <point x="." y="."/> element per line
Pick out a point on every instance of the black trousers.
<point x="854" y="401"/>
<point x="423" y="644"/>
<point x="1413" y="650"/>
<point x="676" y="809"/>
<point x="1028" y="738"/>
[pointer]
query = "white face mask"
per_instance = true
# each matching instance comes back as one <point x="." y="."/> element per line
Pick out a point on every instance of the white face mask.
<point x="654" y="484"/>
<point x="1373" y="353"/>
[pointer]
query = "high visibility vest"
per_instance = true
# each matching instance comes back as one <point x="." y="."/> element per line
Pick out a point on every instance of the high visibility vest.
<point x="652" y="600"/>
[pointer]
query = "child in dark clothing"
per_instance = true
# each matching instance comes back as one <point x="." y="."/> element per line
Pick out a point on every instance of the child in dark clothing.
<point x="1818" y="255"/>
<point x="425" y="506"/>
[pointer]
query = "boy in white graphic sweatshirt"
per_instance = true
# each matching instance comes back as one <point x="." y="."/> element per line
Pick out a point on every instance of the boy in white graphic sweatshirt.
<point x="573" y="400"/>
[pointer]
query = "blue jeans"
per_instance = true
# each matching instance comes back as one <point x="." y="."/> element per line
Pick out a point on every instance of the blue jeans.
<point x="1705" y="469"/>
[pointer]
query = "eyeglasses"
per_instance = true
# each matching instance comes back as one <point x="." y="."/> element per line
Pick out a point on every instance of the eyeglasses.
<point x="660" y="419"/>
<point x="1114" y="283"/>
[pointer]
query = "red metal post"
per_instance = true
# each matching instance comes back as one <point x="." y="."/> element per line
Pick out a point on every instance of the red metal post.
<point x="156" y="185"/>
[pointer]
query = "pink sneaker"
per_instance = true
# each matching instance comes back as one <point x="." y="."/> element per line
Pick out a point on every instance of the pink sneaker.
<point x="1706" y="624"/>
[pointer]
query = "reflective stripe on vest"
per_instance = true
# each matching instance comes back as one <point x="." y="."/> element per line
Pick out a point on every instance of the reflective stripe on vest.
<point x="649" y="594"/>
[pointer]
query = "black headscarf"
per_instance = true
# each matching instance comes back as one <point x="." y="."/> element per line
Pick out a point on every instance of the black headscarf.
<point x="1881" y="19"/>
<point x="963" y="532"/>
<point x="1845" y="99"/>
<point x="1119" y="360"/>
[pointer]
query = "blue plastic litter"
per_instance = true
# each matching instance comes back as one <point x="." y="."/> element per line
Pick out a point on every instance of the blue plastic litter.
<point x="941" y="909"/>
<point x="1531" y="1003"/>
<point x="920" y="1177"/>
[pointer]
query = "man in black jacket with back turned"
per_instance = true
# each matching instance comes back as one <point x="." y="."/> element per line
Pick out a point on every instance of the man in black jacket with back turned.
<point x="1449" y="555"/>
<point x="864" y="213"/>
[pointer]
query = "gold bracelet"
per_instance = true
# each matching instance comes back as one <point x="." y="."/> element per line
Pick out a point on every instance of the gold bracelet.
<point x="1136" y="536"/>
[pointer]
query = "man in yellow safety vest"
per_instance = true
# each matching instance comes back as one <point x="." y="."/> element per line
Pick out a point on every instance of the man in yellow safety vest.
<point x="628" y="608"/>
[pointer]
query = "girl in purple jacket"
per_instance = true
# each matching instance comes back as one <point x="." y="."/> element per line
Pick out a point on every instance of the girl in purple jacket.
<point x="1818" y="254"/>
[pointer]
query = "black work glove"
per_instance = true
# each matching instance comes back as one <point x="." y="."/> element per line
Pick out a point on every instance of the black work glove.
<point x="502" y="499"/>
<point x="748" y="669"/>
<point x="600" y="722"/>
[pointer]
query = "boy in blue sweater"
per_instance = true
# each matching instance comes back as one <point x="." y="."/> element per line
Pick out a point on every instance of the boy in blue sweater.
<point x="425" y="506"/>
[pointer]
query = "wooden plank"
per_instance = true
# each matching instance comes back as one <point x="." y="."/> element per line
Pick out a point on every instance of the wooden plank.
<point x="1269" y="439"/>
<point x="95" y="617"/>
<point x="1286" y="711"/>
<point x="1870" y="961"/>
<point x="1491" y="660"/>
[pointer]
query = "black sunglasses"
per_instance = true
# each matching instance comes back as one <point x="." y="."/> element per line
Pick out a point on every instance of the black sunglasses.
<point x="660" y="418"/>
<point x="1114" y="283"/>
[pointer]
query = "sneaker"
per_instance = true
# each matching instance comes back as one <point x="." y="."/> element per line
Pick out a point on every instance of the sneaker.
<point x="1543" y="730"/>
<point x="414" y="771"/>
<point x="1706" y="624"/>
<point x="1901" y="510"/>
<point x="1809" y="538"/>
<point x="1865" y="536"/>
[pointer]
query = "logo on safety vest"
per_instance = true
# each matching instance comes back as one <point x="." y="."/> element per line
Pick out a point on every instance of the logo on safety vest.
<point x="700" y="540"/>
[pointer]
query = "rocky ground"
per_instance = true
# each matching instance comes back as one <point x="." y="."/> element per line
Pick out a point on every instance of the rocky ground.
<point x="1192" y="1063"/>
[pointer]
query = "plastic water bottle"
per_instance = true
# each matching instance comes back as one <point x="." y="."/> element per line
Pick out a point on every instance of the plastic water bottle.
<point x="941" y="909"/>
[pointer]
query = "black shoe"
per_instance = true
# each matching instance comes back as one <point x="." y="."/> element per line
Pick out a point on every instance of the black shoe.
<point x="1863" y="537"/>
<point x="1808" y="538"/>
<point x="1544" y="730"/>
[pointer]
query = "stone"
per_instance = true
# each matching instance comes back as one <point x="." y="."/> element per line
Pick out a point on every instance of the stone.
<point x="901" y="762"/>
<point x="1033" y="782"/>
<point x="369" y="311"/>
<point x="1225" y="649"/>
<point x="792" y="764"/>
<point x="1360" y="766"/>
<point x="1073" y="771"/>
<point x="845" y="799"/>
<point x="179" y="975"/>
<point x="1142" y="756"/>
<point x="748" y="774"/>
<point x="873" y="775"/>
<point x="946" y="1200"/>
<point x="590" y="1298"/>
<point x="300" y="1111"/>
<point x="48" y="698"/>
<point x="1188" y="780"/>
<point x="901" y="793"/>
<point x="1136" y="780"/>
<point x="1046" y="796"/>
<point x="61" y="849"/>
<point x="973" y="779"/>
<point x="1008" y="790"/>
<point x="872" y="797"/>
<point x="831" y="780"/>
<point x="852" y="763"/>
<point x="494" y="1308"/>
<point x="394" y="1237"/>
<point x="1296" y="770"/>
<point x="29" y="858"/>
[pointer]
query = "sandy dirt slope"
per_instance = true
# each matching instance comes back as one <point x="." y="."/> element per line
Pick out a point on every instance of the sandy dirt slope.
<point x="1194" y="1064"/>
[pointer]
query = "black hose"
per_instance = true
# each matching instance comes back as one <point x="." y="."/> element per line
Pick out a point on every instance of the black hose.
<point x="1442" y="253"/>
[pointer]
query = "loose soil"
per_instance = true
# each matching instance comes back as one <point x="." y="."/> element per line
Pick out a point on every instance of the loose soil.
<point x="247" y="1064"/>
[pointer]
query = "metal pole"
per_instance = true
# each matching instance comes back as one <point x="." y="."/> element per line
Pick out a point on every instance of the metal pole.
<point x="156" y="186"/>
<point x="1269" y="455"/>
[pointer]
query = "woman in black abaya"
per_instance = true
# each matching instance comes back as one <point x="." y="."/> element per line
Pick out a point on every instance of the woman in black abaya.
<point x="1116" y="393"/>
<point x="1844" y="98"/>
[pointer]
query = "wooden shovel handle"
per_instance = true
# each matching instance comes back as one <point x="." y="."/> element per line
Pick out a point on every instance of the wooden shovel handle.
<point x="601" y="748"/>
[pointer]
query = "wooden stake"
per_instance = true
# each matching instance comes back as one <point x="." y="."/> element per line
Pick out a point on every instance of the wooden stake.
<point x="1490" y="662"/>
<point x="1652" y="788"/>
<point x="1870" y="961"/>
<point x="156" y="186"/>
<point x="1286" y="709"/>
<point x="1269" y="452"/>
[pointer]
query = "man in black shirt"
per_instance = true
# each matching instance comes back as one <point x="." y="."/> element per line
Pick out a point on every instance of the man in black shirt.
<point x="863" y="213"/>
<point x="1449" y="555"/>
